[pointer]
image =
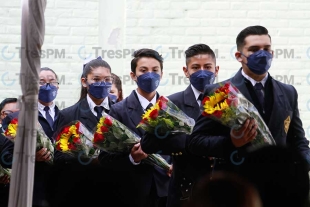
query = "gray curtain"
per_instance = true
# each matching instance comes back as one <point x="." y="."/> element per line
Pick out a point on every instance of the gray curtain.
<point x="32" y="36"/>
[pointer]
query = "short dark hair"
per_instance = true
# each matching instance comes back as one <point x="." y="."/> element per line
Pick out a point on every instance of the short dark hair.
<point x="49" y="69"/>
<point x="198" y="49"/>
<point x="251" y="30"/>
<point x="145" y="52"/>
<point x="87" y="68"/>
<point x="6" y="101"/>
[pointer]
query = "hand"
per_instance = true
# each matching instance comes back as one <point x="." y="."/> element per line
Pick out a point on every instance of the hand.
<point x="42" y="155"/>
<point x="137" y="154"/>
<point x="245" y="134"/>
<point x="4" y="179"/>
<point x="169" y="173"/>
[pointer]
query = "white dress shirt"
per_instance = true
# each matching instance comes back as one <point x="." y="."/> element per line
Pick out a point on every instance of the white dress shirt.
<point x="196" y="93"/>
<point x="91" y="104"/>
<point x="51" y="110"/>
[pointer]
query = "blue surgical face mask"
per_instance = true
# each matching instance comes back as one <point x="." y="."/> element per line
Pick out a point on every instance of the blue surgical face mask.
<point x="100" y="90"/>
<point x="201" y="78"/>
<point x="259" y="62"/>
<point x="113" y="98"/>
<point x="47" y="93"/>
<point x="148" y="81"/>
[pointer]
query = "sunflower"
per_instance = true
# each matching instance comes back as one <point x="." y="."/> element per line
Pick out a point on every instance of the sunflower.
<point x="147" y="114"/>
<point x="216" y="102"/>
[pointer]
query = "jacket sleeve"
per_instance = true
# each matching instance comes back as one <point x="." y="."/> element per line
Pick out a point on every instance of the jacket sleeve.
<point x="296" y="134"/>
<point x="114" y="160"/>
<point x="210" y="138"/>
<point x="6" y="154"/>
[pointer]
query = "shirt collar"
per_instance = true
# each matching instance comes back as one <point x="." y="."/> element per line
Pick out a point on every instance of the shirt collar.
<point x="196" y="92"/>
<point x="144" y="102"/>
<point x="41" y="106"/>
<point x="263" y="81"/>
<point x="104" y="103"/>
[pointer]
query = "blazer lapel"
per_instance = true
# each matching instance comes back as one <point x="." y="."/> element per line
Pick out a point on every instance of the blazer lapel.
<point x="278" y="110"/>
<point x="135" y="110"/>
<point x="86" y="116"/>
<point x="190" y="102"/>
<point x="239" y="81"/>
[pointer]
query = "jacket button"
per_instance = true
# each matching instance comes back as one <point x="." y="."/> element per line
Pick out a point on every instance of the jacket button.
<point x="172" y="154"/>
<point x="180" y="153"/>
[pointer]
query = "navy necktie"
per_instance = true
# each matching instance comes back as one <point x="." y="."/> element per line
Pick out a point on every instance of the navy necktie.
<point x="259" y="93"/>
<point x="48" y="116"/>
<point x="200" y="97"/>
<point x="99" y="110"/>
<point x="149" y="106"/>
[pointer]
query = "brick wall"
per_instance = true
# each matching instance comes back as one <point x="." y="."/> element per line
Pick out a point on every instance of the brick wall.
<point x="75" y="27"/>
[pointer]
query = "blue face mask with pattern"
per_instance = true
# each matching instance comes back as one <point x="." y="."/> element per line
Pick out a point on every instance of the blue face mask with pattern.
<point x="148" y="82"/>
<point x="201" y="78"/>
<point x="100" y="90"/>
<point x="259" y="62"/>
<point x="47" y="93"/>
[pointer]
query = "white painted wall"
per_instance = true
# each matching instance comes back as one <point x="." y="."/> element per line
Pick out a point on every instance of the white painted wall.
<point x="76" y="27"/>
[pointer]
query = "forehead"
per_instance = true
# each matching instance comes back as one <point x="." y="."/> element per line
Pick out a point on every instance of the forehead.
<point x="100" y="71"/>
<point x="257" y="40"/>
<point x="47" y="74"/>
<point x="10" y="106"/>
<point x="148" y="62"/>
<point x="201" y="59"/>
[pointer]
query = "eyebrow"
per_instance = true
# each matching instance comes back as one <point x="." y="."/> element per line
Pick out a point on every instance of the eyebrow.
<point x="255" y="47"/>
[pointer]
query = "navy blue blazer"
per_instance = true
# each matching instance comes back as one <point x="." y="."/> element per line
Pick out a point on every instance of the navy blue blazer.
<point x="71" y="173"/>
<point x="129" y="112"/>
<point x="187" y="168"/>
<point x="210" y="138"/>
<point x="42" y="169"/>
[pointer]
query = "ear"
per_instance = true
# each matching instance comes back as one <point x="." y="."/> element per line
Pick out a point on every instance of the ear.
<point x="133" y="76"/>
<point x="272" y="53"/>
<point x="238" y="56"/>
<point x="185" y="71"/>
<point x="83" y="82"/>
<point x="161" y="75"/>
<point x="217" y="68"/>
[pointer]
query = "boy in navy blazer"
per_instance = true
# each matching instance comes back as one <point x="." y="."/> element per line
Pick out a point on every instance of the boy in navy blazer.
<point x="276" y="102"/>
<point x="141" y="184"/>
<point x="200" y="69"/>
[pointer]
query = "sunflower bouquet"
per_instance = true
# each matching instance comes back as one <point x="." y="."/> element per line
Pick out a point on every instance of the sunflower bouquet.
<point x="165" y="118"/>
<point x="72" y="139"/>
<point x="43" y="141"/>
<point x="110" y="135"/>
<point x="227" y="105"/>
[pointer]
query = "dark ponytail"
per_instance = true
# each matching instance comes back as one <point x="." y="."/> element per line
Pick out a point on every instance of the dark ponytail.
<point x="87" y="70"/>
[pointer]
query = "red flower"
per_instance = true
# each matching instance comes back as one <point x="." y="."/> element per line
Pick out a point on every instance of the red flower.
<point x="98" y="137"/>
<point x="77" y="125"/>
<point x="72" y="146"/>
<point x="154" y="114"/>
<point x="204" y="114"/>
<point x="104" y="129"/>
<point x="14" y="121"/>
<point x="77" y="140"/>
<point x="58" y="137"/>
<point x="205" y="99"/>
<point x="58" y="147"/>
<point x="218" y="114"/>
<point x="108" y="121"/>
<point x="66" y="130"/>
